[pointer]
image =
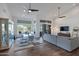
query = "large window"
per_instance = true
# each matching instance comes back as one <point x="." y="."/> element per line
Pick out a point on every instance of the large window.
<point x="24" y="26"/>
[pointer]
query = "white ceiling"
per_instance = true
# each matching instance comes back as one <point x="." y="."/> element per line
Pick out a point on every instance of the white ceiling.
<point x="46" y="10"/>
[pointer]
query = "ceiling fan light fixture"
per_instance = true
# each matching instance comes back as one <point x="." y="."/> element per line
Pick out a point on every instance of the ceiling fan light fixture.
<point x="29" y="11"/>
<point x="24" y="10"/>
<point x="59" y="16"/>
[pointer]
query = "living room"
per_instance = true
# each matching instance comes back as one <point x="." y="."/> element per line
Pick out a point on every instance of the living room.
<point x="57" y="25"/>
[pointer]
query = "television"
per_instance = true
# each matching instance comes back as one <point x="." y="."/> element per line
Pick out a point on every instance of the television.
<point x="64" y="28"/>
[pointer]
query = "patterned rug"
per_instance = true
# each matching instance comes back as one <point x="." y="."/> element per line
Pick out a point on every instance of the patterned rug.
<point x="22" y="44"/>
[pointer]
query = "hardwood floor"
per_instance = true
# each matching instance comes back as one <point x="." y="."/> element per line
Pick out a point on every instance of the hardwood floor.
<point x="44" y="49"/>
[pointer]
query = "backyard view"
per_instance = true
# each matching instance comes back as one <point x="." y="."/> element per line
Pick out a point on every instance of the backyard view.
<point x="24" y="28"/>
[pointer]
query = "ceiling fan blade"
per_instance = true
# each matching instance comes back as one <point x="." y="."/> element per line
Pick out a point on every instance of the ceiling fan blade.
<point x="30" y="9"/>
<point x="33" y="9"/>
<point x="62" y="16"/>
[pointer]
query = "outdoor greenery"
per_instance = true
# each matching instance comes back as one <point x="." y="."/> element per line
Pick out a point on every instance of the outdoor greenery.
<point x="24" y="27"/>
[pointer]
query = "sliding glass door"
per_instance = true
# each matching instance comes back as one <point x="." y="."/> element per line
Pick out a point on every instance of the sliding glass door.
<point x="4" y="37"/>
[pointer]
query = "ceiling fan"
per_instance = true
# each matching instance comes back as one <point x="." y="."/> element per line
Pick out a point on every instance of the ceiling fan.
<point x="59" y="16"/>
<point x="29" y="10"/>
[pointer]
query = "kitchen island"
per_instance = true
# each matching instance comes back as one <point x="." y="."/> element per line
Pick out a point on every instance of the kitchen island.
<point x="67" y="43"/>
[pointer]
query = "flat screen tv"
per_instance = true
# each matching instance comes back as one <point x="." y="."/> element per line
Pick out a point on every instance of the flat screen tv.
<point x="64" y="28"/>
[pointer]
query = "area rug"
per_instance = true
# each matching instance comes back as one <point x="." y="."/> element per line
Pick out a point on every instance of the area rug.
<point x="23" y="47"/>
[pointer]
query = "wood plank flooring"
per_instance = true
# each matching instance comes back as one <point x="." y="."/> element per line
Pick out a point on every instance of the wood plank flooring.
<point x="44" y="49"/>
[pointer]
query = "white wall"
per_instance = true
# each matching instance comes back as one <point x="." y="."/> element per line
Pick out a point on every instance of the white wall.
<point x="4" y="11"/>
<point x="71" y="20"/>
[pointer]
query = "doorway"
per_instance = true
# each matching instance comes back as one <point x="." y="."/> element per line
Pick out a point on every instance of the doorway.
<point x="4" y="34"/>
<point x="25" y="35"/>
<point x="45" y="28"/>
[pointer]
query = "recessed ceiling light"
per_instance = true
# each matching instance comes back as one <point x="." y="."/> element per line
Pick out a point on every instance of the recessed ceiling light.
<point x="4" y="10"/>
<point x="74" y="4"/>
